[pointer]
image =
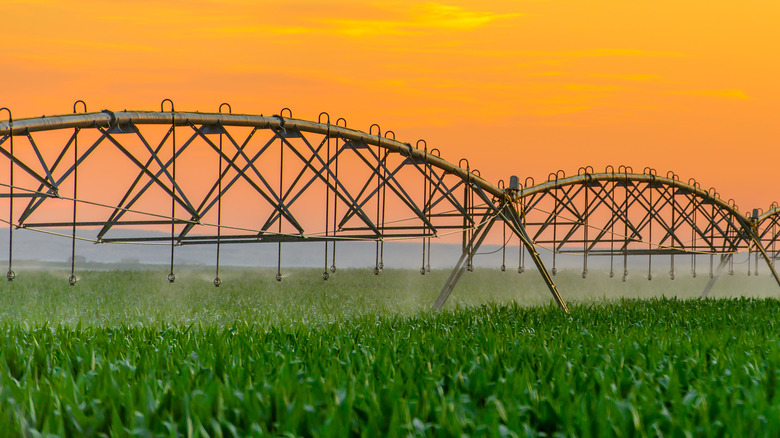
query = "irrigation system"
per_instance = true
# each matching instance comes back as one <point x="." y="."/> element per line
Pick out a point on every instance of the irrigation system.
<point x="190" y="178"/>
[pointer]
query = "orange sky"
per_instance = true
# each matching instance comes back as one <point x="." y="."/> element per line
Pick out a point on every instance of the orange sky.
<point x="518" y="87"/>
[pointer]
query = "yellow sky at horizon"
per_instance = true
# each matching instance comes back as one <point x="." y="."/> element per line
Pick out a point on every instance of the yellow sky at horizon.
<point x="546" y="84"/>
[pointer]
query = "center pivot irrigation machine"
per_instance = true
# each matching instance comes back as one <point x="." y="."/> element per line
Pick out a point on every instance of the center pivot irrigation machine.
<point x="191" y="178"/>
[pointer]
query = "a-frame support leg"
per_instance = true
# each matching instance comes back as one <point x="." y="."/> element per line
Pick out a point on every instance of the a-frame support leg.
<point x="513" y="220"/>
<point x="768" y="260"/>
<point x="460" y="266"/>
<point x="510" y="216"/>
<point x="724" y="259"/>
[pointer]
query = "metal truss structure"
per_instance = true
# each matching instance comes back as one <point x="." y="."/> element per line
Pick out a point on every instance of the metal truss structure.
<point x="189" y="178"/>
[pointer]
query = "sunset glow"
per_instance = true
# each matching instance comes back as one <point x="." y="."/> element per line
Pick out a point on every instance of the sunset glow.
<point x="517" y="87"/>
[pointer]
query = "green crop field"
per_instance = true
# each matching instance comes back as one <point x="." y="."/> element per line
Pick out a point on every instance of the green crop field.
<point x="125" y="353"/>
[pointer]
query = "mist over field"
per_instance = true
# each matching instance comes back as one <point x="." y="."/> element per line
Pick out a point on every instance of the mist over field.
<point x="113" y="297"/>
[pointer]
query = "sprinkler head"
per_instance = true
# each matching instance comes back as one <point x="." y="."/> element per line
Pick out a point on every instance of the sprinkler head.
<point x="325" y="274"/>
<point x="381" y="265"/>
<point x="520" y="270"/>
<point x="72" y="280"/>
<point x="611" y="274"/>
<point x="422" y="270"/>
<point x="278" y="276"/>
<point x="332" y="268"/>
<point x="217" y="282"/>
<point x="671" y="275"/>
<point x="649" y="277"/>
<point x="376" y="270"/>
<point x="584" y="273"/>
<point x="10" y="275"/>
<point x="503" y="268"/>
<point x="554" y="271"/>
<point x="171" y="278"/>
<point x="470" y="267"/>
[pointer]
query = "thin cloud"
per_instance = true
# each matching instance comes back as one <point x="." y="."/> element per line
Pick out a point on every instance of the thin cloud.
<point x="553" y="54"/>
<point x="638" y="77"/>
<point x="428" y="16"/>
<point x="419" y="18"/>
<point x="730" y="94"/>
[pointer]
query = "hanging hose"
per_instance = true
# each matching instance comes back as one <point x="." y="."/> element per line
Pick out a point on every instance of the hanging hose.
<point x="693" y="242"/>
<point x="612" y="233"/>
<point x="671" y="262"/>
<point x="650" y="240"/>
<point x="625" y="234"/>
<point x="217" y="280"/>
<point x="425" y="201"/>
<point x="378" y="187"/>
<point x="325" y="273"/>
<point x="429" y="178"/>
<point x="281" y="191"/>
<point x="585" y="232"/>
<point x="72" y="279"/>
<point x="335" y="196"/>
<point x="10" y="275"/>
<point x="171" y="276"/>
